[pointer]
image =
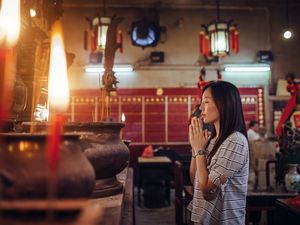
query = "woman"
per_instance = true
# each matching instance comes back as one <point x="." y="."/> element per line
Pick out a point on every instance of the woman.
<point x="220" y="159"/>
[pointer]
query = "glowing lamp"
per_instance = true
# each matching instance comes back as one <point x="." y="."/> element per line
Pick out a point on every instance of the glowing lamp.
<point x="101" y="25"/>
<point x="287" y="34"/>
<point x="218" y="33"/>
<point x="32" y="12"/>
<point x="218" y="38"/>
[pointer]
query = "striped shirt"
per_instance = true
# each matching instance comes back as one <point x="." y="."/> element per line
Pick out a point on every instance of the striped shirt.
<point x="228" y="208"/>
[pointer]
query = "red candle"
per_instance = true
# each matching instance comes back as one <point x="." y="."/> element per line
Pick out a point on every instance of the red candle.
<point x="3" y="111"/>
<point x="123" y="121"/>
<point x="54" y="140"/>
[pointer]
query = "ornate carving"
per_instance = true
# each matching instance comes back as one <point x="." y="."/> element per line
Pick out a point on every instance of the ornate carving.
<point x="109" y="80"/>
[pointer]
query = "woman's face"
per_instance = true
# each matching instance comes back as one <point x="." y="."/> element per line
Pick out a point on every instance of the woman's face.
<point x="209" y="111"/>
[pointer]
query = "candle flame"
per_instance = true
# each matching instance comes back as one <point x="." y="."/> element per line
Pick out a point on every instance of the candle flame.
<point x="9" y="22"/>
<point x="123" y="117"/>
<point x="58" y="86"/>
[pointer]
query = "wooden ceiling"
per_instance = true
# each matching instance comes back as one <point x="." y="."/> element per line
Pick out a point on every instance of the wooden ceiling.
<point x="183" y="3"/>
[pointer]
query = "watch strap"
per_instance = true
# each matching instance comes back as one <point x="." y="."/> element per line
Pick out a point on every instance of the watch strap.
<point x="200" y="152"/>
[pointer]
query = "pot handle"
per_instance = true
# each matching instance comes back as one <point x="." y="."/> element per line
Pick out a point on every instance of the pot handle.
<point x="6" y="179"/>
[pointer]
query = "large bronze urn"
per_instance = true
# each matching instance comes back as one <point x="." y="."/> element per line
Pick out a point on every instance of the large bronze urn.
<point x="24" y="168"/>
<point x="105" y="150"/>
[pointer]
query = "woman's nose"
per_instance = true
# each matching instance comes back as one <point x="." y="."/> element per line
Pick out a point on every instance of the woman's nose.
<point x="201" y="107"/>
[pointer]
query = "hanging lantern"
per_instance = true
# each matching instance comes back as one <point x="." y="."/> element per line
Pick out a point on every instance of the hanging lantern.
<point x="102" y="24"/>
<point x="218" y="33"/>
<point x="220" y="37"/>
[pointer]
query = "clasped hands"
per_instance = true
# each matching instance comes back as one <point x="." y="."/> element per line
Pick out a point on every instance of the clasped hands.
<point x="198" y="136"/>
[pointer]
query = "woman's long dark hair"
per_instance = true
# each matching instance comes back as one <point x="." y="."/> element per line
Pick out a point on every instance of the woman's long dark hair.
<point x="228" y="101"/>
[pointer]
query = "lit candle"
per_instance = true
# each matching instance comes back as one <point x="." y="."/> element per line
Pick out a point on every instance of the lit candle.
<point x="9" y="35"/>
<point x="123" y="121"/>
<point x="58" y="90"/>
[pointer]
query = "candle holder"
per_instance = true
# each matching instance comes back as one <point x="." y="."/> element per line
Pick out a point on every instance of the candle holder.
<point x="24" y="168"/>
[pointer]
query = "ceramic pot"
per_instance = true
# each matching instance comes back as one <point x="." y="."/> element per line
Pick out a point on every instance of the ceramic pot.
<point x="24" y="168"/>
<point x="105" y="150"/>
<point x="292" y="179"/>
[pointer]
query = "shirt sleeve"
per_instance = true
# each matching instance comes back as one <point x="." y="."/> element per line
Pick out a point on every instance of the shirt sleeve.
<point x="229" y="159"/>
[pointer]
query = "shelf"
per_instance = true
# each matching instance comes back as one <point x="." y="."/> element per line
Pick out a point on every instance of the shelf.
<point x="278" y="98"/>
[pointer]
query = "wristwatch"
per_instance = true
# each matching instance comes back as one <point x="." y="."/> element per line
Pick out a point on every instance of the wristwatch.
<point x="200" y="152"/>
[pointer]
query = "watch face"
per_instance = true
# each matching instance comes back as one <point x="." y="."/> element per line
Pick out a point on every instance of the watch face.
<point x="201" y="152"/>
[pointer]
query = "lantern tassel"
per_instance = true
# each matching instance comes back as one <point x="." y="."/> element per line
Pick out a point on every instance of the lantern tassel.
<point x="85" y="39"/>
<point x="93" y="42"/>
<point x="201" y="40"/>
<point x="120" y="41"/>
<point x="236" y="41"/>
<point x="232" y="37"/>
<point x="207" y="49"/>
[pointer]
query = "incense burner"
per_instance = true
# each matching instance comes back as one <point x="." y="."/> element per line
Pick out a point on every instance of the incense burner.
<point x="24" y="168"/>
<point x="106" y="152"/>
